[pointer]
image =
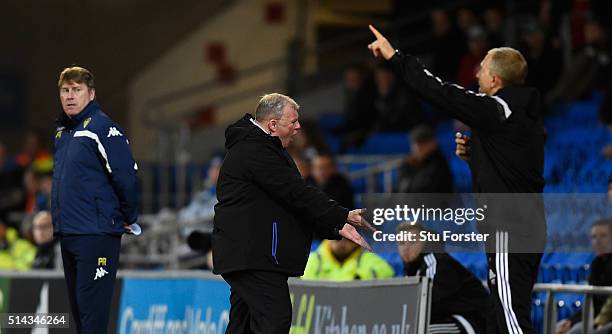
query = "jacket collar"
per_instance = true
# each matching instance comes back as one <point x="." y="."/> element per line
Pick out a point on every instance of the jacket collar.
<point x="64" y="120"/>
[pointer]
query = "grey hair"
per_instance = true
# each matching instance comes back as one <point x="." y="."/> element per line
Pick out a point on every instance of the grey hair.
<point x="271" y="106"/>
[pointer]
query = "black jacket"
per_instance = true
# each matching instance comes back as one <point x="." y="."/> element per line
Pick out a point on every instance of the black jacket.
<point x="45" y="255"/>
<point x="431" y="176"/>
<point x="338" y="188"/>
<point x="601" y="275"/>
<point x="507" y="131"/>
<point x="266" y="213"/>
<point x="455" y="291"/>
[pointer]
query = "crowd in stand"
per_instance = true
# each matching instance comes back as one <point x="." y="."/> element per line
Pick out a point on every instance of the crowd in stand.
<point x="26" y="230"/>
<point x="375" y="100"/>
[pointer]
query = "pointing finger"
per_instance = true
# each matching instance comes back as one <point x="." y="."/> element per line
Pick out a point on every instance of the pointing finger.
<point x="377" y="34"/>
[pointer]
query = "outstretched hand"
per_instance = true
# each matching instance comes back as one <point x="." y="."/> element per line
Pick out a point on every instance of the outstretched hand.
<point x="350" y="233"/>
<point x="381" y="46"/>
<point x="355" y="218"/>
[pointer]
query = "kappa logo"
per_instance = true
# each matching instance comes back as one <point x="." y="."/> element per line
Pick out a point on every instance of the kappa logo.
<point x="86" y="122"/>
<point x="113" y="132"/>
<point x="100" y="272"/>
<point x="492" y="276"/>
<point x="58" y="135"/>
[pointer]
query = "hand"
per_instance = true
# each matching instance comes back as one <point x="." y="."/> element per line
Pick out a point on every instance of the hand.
<point x="133" y="229"/>
<point x="355" y="218"/>
<point x="380" y="47"/>
<point x="350" y="233"/>
<point x="563" y="326"/>
<point x="463" y="147"/>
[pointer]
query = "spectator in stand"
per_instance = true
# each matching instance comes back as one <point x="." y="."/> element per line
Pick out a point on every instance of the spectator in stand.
<point x="470" y="62"/>
<point x="359" y="95"/>
<point x="43" y="197"/>
<point x="31" y="187"/>
<point x="15" y="253"/>
<point x="396" y="108"/>
<point x="309" y="141"/>
<point x="33" y="151"/>
<point x="495" y="27"/>
<point x="447" y="45"/>
<point x="325" y="176"/>
<point x="466" y="20"/>
<point x="426" y="169"/>
<point x="603" y="321"/>
<point x="343" y="260"/>
<point x="459" y="301"/>
<point x="544" y="60"/>
<point x="202" y="206"/>
<point x="601" y="274"/>
<point x="46" y="246"/>
<point x="589" y="70"/>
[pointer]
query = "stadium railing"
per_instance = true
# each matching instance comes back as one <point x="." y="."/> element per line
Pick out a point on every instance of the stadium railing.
<point x="550" y="308"/>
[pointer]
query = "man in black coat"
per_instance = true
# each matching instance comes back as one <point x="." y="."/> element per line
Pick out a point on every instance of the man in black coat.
<point x="459" y="301"/>
<point x="425" y="170"/>
<point x="506" y="156"/>
<point x="266" y="217"/>
<point x="324" y="175"/>
<point x="601" y="274"/>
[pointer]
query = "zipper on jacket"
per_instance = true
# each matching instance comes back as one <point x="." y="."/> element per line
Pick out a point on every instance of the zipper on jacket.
<point x="274" y="241"/>
<point x="61" y="178"/>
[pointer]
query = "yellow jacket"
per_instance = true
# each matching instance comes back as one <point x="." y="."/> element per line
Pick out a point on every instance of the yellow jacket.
<point x="322" y="265"/>
<point x="19" y="253"/>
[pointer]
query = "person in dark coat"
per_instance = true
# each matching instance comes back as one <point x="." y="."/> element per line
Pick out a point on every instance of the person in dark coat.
<point x="601" y="274"/>
<point x="46" y="244"/>
<point x="325" y="176"/>
<point x="459" y="300"/>
<point x="426" y="169"/>
<point x="506" y="156"/>
<point x="266" y="217"/>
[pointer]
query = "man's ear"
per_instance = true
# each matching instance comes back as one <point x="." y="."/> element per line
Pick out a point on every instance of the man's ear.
<point x="272" y="125"/>
<point x="497" y="80"/>
<point x="92" y="94"/>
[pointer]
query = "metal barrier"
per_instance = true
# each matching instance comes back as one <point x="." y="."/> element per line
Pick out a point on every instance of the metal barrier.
<point x="385" y="166"/>
<point x="550" y="315"/>
<point x="550" y="309"/>
<point x="198" y="301"/>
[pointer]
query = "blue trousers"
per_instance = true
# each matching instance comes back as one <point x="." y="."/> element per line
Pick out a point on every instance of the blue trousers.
<point x="90" y="269"/>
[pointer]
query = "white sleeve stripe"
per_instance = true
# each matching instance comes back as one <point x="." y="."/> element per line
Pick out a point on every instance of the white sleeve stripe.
<point x="431" y="75"/>
<point x="91" y="135"/>
<point x="507" y="110"/>
<point x="430" y="260"/>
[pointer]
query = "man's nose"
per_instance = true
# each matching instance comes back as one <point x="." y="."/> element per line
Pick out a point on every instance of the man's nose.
<point x="297" y="125"/>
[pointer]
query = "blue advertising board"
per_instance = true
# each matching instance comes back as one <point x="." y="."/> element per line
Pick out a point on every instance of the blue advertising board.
<point x="173" y="305"/>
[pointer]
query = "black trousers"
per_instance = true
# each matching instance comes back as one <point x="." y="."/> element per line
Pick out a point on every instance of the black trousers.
<point x="259" y="302"/>
<point x="511" y="279"/>
<point x="90" y="269"/>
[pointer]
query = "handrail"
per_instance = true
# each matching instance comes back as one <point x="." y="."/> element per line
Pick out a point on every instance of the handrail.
<point x="384" y="165"/>
<point x="550" y="308"/>
<point x="573" y="288"/>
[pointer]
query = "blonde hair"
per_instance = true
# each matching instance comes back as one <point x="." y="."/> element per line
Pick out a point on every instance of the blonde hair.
<point x="271" y="106"/>
<point x="509" y="64"/>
